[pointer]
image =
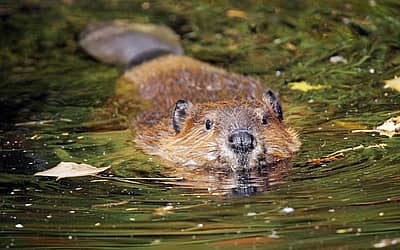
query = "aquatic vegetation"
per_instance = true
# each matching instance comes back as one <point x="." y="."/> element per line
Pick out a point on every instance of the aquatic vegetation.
<point x="57" y="105"/>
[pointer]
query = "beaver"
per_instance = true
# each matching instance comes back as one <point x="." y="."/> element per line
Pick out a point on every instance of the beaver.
<point x="199" y="115"/>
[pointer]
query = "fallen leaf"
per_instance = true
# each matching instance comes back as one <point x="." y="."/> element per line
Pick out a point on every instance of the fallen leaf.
<point x="71" y="169"/>
<point x="350" y="125"/>
<point x="305" y="86"/>
<point x="292" y="47"/>
<point x="390" y="127"/>
<point x="236" y="13"/>
<point x="393" y="83"/>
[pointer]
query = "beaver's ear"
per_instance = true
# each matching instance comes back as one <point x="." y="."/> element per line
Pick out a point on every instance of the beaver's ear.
<point x="180" y="113"/>
<point x="270" y="99"/>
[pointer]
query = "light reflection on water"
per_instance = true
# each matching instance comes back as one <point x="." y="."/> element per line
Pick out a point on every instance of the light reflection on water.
<point x="239" y="183"/>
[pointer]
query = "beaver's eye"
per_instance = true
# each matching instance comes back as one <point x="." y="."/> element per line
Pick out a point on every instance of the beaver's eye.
<point x="264" y="120"/>
<point x="208" y="124"/>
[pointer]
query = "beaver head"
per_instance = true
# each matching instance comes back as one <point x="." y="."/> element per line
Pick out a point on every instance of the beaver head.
<point x="232" y="134"/>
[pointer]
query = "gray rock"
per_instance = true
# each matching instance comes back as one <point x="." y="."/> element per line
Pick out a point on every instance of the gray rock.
<point x="119" y="42"/>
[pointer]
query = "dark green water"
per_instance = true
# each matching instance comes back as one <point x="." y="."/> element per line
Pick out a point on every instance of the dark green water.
<point x="352" y="203"/>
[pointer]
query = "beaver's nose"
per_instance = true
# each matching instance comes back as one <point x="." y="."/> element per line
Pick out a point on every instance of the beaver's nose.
<point x="241" y="140"/>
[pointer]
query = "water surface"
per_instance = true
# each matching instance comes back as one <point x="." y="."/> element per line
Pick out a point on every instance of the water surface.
<point x="56" y="105"/>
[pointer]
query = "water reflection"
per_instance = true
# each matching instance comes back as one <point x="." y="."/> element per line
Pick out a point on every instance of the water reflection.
<point x="239" y="183"/>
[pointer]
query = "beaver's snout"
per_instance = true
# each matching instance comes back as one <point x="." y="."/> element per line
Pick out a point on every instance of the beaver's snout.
<point x="241" y="140"/>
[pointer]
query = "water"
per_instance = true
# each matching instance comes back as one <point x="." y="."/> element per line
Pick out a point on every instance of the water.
<point x="350" y="203"/>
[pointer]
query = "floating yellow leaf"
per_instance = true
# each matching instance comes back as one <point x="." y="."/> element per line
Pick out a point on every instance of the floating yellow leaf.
<point x="350" y="125"/>
<point x="71" y="169"/>
<point x="292" y="47"/>
<point x="305" y="86"/>
<point x="236" y="13"/>
<point x="393" y="83"/>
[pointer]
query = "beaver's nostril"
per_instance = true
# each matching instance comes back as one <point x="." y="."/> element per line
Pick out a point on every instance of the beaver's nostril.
<point x="241" y="140"/>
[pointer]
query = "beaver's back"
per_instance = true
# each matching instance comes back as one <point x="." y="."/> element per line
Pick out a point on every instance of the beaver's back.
<point x="166" y="79"/>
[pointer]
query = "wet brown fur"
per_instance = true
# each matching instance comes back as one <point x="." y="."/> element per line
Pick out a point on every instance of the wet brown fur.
<point x="230" y="100"/>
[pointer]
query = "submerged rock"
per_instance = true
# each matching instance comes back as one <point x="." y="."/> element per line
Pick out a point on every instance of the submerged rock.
<point x="107" y="41"/>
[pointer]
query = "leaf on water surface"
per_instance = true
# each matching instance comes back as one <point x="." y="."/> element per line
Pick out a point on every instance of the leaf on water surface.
<point x="350" y="125"/>
<point x="305" y="86"/>
<point x="393" y="83"/>
<point x="390" y="127"/>
<point x="292" y="47"/>
<point x="236" y="13"/>
<point x="71" y="169"/>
